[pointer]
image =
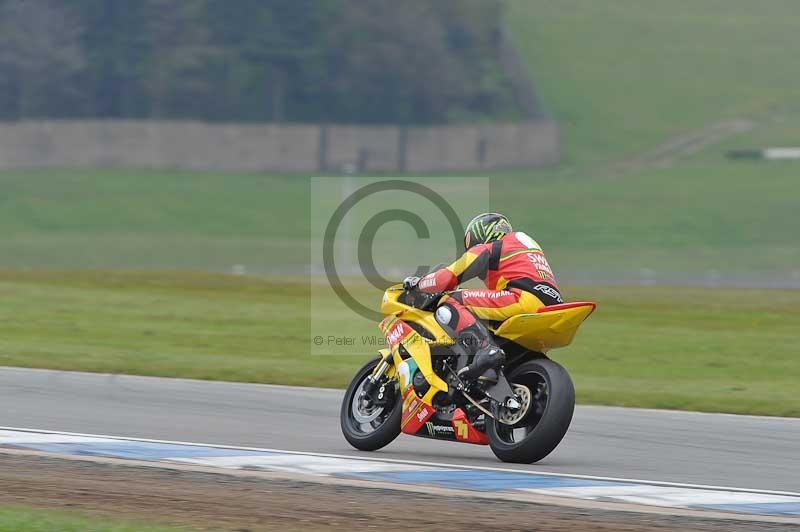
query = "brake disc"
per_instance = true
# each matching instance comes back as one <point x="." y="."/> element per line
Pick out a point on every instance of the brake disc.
<point x="508" y="416"/>
<point x="363" y="409"/>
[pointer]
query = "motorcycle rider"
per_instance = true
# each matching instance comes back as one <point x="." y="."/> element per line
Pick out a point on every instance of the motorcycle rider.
<point x="518" y="279"/>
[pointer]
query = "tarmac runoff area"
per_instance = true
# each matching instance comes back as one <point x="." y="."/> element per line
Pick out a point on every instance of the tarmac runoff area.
<point x="418" y="470"/>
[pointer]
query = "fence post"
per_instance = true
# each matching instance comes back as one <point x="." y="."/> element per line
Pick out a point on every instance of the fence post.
<point x="322" y="156"/>
<point x="402" y="148"/>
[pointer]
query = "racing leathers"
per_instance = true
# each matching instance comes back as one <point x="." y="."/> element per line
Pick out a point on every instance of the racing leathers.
<point x="518" y="279"/>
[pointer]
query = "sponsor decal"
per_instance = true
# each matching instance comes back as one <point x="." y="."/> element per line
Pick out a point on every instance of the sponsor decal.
<point x="539" y="260"/>
<point x="396" y="334"/>
<point x="411" y="417"/>
<point x="427" y="282"/>
<point x="542" y="266"/>
<point x="433" y="429"/>
<point x="550" y="291"/>
<point x="411" y="403"/>
<point x="488" y="294"/>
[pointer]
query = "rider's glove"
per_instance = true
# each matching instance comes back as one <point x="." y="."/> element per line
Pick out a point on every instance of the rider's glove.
<point x="411" y="282"/>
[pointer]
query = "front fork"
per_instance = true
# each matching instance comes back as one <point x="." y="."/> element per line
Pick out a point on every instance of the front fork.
<point x="375" y="387"/>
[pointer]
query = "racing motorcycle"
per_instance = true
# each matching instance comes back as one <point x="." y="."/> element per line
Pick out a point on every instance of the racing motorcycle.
<point x="521" y="410"/>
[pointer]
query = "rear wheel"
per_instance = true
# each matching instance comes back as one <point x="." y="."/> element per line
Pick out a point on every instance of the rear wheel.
<point x="368" y="425"/>
<point x="548" y="402"/>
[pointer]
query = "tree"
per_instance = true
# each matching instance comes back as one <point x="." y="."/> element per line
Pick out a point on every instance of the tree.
<point x="413" y="61"/>
<point x="41" y="60"/>
<point x="376" y="61"/>
<point x="271" y="51"/>
<point x="117" y="47"/>
<point x="176" y="77"/>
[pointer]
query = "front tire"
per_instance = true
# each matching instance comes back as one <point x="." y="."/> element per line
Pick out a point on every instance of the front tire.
<point x="550" y="409"/>
<point x="365" y="425"/>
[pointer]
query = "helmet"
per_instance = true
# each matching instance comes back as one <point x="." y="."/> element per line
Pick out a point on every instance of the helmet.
<point x="486" y="227"/>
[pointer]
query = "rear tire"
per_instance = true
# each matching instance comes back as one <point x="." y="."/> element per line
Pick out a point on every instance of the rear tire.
<point x="546" y="423"/>
<point x="372" y="435"/>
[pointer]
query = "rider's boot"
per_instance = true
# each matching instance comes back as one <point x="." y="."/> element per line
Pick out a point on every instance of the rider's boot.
<point x="488" y="356"/>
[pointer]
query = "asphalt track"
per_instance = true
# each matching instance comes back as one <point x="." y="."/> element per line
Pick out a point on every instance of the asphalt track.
<point x="710" y="449"/>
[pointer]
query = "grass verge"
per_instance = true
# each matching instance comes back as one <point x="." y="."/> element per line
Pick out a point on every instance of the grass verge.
<point x="661" y="347"/>
<point x="23" y="519"/>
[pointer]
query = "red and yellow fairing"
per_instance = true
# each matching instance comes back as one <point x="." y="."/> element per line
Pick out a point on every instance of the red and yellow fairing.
<point x="550" y="327"/>
<point x="464" y="430"/>
<point x="415" y="412"/>
<point x="398" y="333"/>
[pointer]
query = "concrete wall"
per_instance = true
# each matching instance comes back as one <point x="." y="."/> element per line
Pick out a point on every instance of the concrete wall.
<point x="272" y="147"/>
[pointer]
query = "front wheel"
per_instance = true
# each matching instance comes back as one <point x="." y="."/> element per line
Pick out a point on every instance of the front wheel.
<point x="548" y="402"/>
<point x="366" y="425"/>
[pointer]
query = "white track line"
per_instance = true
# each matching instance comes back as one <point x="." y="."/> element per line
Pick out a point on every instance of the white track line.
<point x="420" y="463"/>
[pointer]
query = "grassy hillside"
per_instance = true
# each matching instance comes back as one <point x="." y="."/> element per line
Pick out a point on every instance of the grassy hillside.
<point x="717" y="350"/>
<point x="624" y="76"/>
<point x="649" y="96"/>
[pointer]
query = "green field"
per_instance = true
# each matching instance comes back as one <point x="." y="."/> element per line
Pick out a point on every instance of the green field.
<point x="661" y="347"/>
<point x="676" y="223"/>
<point x="21" y="519"/>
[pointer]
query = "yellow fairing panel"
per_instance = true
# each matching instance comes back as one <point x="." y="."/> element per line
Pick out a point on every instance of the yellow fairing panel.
<point x="417" y="347"/>
<point x="421" y="353"/>
<point x="391" y="306"/>
<point x="551" y="327"/>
